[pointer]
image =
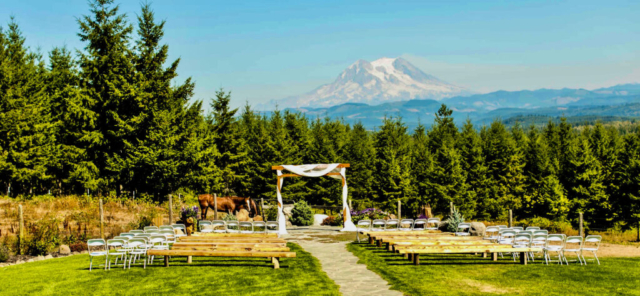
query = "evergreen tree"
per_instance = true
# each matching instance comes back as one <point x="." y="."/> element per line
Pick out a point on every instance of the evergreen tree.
<point x="393" y="163"/>
<point x="475" y="170"/>
<point x="422" y="167"/>
<point x="360" y="153"/>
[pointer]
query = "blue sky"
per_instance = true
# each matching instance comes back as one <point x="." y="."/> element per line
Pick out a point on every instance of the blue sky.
<point x="263" y="50"/>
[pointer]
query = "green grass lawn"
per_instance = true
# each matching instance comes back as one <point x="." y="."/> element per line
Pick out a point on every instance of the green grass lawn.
<point x="210" y="276"/>
<point x="454" y="274"/>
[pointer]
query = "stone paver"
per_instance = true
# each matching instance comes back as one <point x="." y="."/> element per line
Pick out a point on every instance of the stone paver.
<point x="340" y="264"/>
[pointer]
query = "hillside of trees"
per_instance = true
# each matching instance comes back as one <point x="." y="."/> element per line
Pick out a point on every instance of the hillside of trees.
<point x="110" y="119"/>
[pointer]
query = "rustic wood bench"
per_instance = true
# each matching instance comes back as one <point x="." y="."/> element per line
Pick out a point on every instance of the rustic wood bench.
<point x="275" y="256"/>
<point x="414" y="254"/>
<point x="200" y="234"/>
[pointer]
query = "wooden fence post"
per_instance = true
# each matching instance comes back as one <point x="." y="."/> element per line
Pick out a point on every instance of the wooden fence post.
<point x="399" y="210"/>
<point x="638" y="230"/>
<point x="20" y="229"/>
<point x="510" y="218"/>
<point x="580" y="227"/>
<point x="264" y="217"/>
<point x="451" y="207"/>
<point x="350" y="206"/>
<point x="215" y="207"/>
<point x="101" y="220"/>
<point x="170" y="209"/>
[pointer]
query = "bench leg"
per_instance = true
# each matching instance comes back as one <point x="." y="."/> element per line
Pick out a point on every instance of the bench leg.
<point x="166" y="261"/>
<point x="370" y="240"/>
<point x="406" y="256"/>
<point x="494" y="256"/>
<point x="416" y="259"/>
<point x="523" y="258"/>
<point x="379" y="243"/>
<point x="189" y="259"/>
<point x="276" y="262"/>
<point x="484" y="255"/>
<point x="410" y="257"/>
<point x="389" y="247"/>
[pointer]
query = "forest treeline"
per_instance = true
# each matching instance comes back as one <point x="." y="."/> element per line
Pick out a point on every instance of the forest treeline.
<point x="111" y="118"/>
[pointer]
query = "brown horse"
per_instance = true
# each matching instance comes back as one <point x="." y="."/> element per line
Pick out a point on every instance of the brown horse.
<point x="229" y="204"/>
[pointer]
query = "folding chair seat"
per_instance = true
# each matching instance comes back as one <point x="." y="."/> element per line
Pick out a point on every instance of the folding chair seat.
<point x="420" y="224"/>
<point x="432" y="224"/>
<point x="97" y="248"/>
<point x="591" y="244"/>
<point x="463" y="229"/>
<point x="406" y="225"/>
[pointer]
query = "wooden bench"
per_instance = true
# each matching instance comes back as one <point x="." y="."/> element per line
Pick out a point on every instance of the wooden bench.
<point x="200" y="234"/>
<point x="252" y="240"/>
<point x="219" y="244"/>
<point x="414" y="254"/>
<point x="390" y="240"/>
<point x="275" y="256"/>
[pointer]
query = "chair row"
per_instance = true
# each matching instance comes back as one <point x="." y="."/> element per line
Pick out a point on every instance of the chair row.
<point x="395" y="224"/>
<point x="221" y="226"/>
<point x="558" y="243"/>
<point x="128" y="249"/>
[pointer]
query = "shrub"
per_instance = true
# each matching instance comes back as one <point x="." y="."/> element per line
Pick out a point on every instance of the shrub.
<point x="230" y="217"/>
<point x="45" y="236"/>
<point x="4" y="253"/>
<point x="301" y="214"/>
<point x="78" y="247"/>
<point x="271" y="213"/>
<point x="454" y="219"/>
<point x="143" y="222"/>
<point x="333" y="221"/>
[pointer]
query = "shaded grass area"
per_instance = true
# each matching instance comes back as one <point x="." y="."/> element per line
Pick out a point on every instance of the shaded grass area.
<point x="458" y="274"/>
<point x="210" y="276"/>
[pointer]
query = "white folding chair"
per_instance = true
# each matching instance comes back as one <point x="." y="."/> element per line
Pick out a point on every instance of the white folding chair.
<point x="272" y="227"/>
<point x="521" y="240"/>
<point x="182" y="228"/>
<point x="245" y="227"/>
<point x="129" y="235"/>
<point x="378" y="225"/>
<point x="137" y="249"/>
<point x="405" y="225"/>
<point x="136" y="231"/>
<point x="97" y="248"/>
<point x="362" y="225"/>
<point x="517" y="228"/>
<point x="205" y="226"/>
<point x="555" y="243"/>
<point x="463" y="229"/>
<point x="506" y="236"/>
<point x="532" y="228"/>
<point x="219" y="226"/>
<point x="420" y="224"/>
<point x="492" y="233"/>
<point x="233" y="227"/>
<point x="432" y="224"/>
<point x="118" y="252"/>
<point x="573" y="244"/>
<point x="391" y="225"/>
<point x="591" y="244"/>
<point x="150" y="228"/>
<point x="165" y="227"/>
<point x="259" y="227"/>
<point x="152" y="231"/>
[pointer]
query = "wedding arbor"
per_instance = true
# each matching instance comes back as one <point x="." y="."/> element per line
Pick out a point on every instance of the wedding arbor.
<point x="333" y="170"/>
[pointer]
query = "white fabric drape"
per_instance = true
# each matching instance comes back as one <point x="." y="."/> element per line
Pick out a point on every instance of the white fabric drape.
<point x="316" y="170"/>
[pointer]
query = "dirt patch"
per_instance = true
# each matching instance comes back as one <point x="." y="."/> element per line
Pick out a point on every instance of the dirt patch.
<point x="613" y="250"/>
<point x="486" y="288"/>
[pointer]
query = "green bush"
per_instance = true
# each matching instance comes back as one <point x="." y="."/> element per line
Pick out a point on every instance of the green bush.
<point x="333" y="220"/>
<point x="230" y="217"/>
<point x="45" y="236"/>
<point x="271" y="213"/>
<point x="144" y="221"/>
<point x="4" y="253"/>
<point x="301" y="214"/>
<point x="454" y="219"/>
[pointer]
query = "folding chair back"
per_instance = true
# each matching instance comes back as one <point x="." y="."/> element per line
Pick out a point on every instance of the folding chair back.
<point x="522" y="240"/>
<point x="541" y="232"/>
<point x="532" y="228"/>
<point x="420" y="224"/>
<point x="539" y="240"/>
<point x="517" y="228"/>
<point x="406" y="224"/>
<point x="463" y="229"/>
<point x="152" y="231"/>
<point x="378" y="225"/>
<point x="205" y="226"/>
<point x="259" y="227"/>
<point x="136" y="231"/>
<point x="233" y="227"/>
<point x="272" y="227"/>
<point x="150" y="228"/>
<point x="391" y="224"/>
<point x="506" y="236"/>
<point x="433" y="224"/>
<point x="491" y="233"/>
<point x="219" y="226"/>
<point x="165" y="227"/>
<point x="364" y="225"/>
<point x="128" y="234"/>
<point x="245" y="227"/>
<point x="502" y="226"/>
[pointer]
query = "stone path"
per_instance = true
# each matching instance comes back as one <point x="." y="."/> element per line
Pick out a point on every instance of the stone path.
<point x="340" y="264"/>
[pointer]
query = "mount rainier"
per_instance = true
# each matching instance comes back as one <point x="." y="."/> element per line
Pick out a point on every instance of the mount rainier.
<point x="383" y="80"/>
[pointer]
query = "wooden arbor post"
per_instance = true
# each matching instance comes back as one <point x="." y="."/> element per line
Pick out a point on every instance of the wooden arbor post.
<point x="20" y="229"/>
<point x="170" y="210"/>
<point x="215" y="207"/>
<point x="101" y="220"/>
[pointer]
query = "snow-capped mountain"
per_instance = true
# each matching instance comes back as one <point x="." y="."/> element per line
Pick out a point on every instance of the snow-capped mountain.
<point x="380" y="81"/>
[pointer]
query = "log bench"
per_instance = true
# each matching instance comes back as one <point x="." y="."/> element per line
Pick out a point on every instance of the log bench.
<point x="414" y="254"/>
<point x="275" y="256"/>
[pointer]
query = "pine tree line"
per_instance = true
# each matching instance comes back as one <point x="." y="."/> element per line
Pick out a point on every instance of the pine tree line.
<point x="111" y="119"/>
